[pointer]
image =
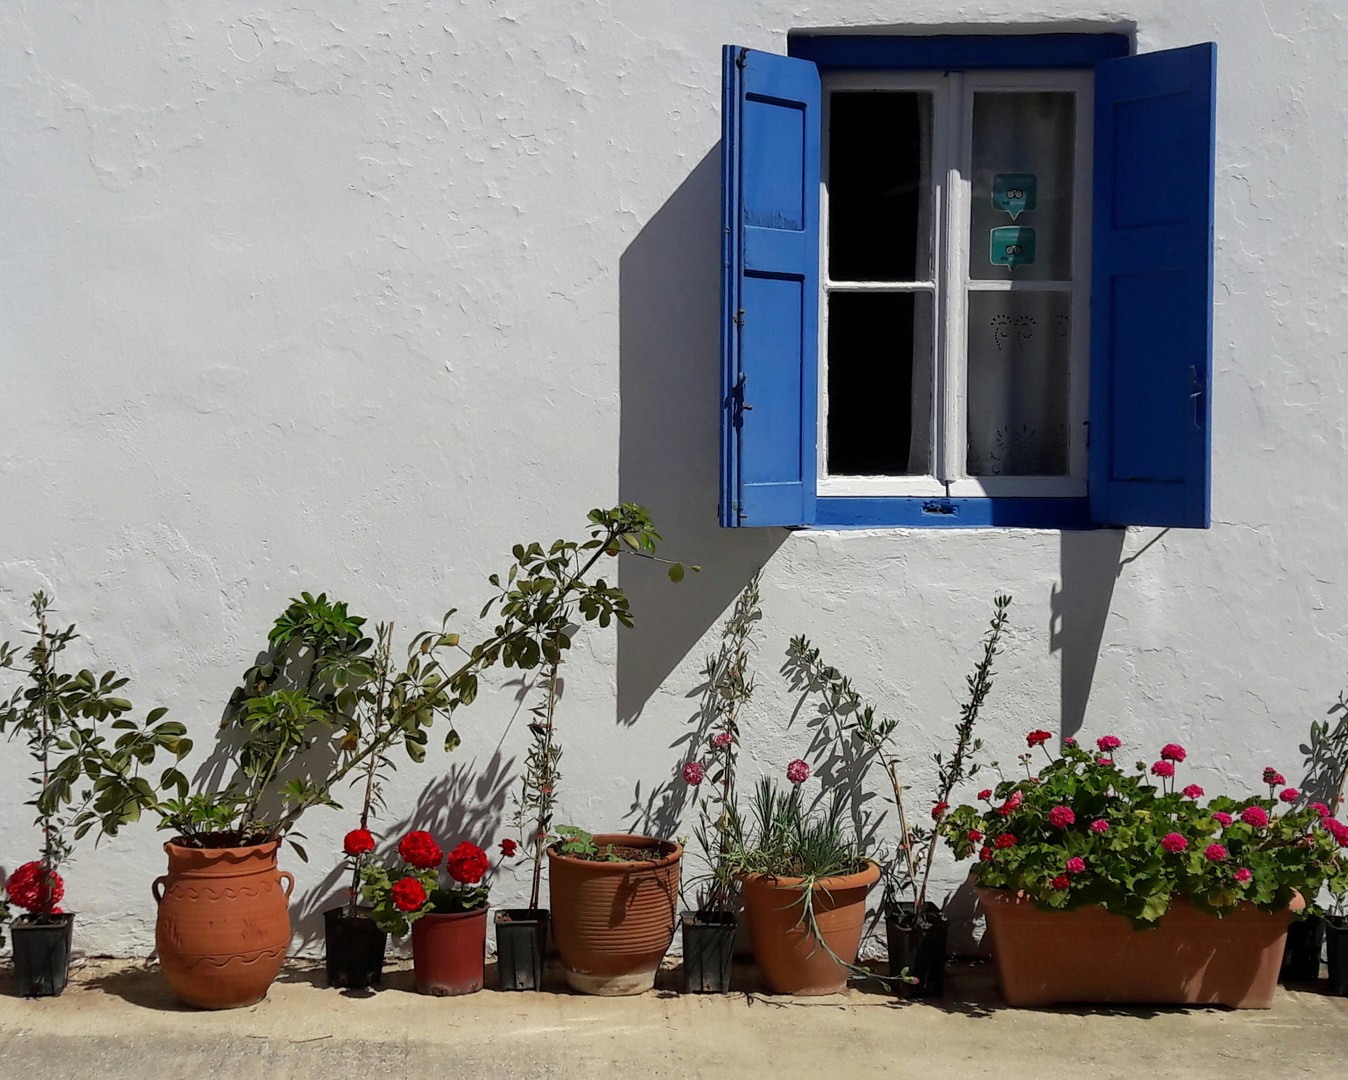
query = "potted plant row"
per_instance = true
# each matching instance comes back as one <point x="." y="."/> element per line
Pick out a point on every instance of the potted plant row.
<point x="1102" y="886"/>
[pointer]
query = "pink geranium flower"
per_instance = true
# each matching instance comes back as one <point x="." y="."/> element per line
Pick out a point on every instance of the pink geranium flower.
<point x="1174" y="843"/>
<point x="1254" y="816"/>
<point x="1289" y="795"/>
<point x="1163" y="769"/>
<point x="1076" y="865"/>
<point x="1173" y="752"/>
<point x="1337" y="829"/>
<point x="1193" y="791"/>
<point x="1108" y="743"/>
<point x="1061" y="816"/>
<point x="1214" y="853"/>
<point x="1242" y="875"/>
<point x="1321" y="809"/>
<point x="1099" y="825"/>
<point x="1222" y="818"/>
<point x="1272" y="777"/>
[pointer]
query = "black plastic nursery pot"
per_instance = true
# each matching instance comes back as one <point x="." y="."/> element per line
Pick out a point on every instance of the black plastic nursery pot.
<point x="355" y="948"/>
<point x="1336" y="952"/>
<point x="708" y="951"/>
<point x="521" y="944"/>
<point x="1301" y="955"/>
<point x="919" y="945"/>
<point x="42" y="954"/>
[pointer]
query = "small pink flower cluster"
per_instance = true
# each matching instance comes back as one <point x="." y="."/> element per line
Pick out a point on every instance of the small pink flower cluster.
<point x="798" y="771"/>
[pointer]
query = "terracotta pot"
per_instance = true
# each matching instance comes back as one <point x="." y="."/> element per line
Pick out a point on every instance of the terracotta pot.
<point x="223" y="926"/>
<point x="613" y="921"/>
<point x="1045" y="957"/>
<point x="790" y="958"/>
<point x="447" y="952"/>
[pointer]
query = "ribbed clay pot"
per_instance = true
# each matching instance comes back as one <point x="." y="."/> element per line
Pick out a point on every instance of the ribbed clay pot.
<point x="223" y="926"/>
<point x="1188" y="958"/>
<point x="790" y="958"/>
<point x="448" y="951"/>
<point x="613" y="921"/>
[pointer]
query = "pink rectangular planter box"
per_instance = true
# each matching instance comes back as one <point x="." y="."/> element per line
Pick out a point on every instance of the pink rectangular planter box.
<point x="1089" y="955"/>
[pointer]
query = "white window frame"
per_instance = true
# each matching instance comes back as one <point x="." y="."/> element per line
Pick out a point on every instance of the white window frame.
<point x="951" y="152"/>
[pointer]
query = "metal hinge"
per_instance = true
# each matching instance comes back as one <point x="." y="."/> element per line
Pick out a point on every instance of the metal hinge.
<point x="742" y="58"/>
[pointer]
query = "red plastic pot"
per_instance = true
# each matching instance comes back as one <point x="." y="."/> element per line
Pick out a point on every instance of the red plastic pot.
<point x="448" y="951"/>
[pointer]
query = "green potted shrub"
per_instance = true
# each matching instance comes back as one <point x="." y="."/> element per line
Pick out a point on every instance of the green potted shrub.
<point x="59" y="713"/>
<point x="544" y="594"/>
<point x="223" y="928"/>
<point x="709" y="929"/>
<point x="916" y="929"/>
<point x="1101" y="886"/>
<point x="805" y="883"/>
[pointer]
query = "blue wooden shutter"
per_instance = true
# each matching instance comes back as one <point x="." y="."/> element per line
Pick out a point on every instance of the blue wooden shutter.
<point x="770" y="112"/>
<point x="1151" y="303"/>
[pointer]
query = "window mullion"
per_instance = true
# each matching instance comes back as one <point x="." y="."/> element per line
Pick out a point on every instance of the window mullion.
<point x="950" y="366"/>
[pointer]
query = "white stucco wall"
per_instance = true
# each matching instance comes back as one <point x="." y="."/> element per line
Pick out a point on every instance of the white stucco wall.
<point x="354" y="296"/>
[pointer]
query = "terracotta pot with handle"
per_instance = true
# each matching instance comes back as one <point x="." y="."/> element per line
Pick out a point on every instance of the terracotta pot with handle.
<point x="790" y="958"/>
<point x="224" y="925"/>
<point x="613" y="921"/>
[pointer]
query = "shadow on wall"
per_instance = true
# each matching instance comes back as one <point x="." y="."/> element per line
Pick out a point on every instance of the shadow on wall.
<point x="1089" y="564"/>
<point x="669" y="452"/>
<point x="464" y="804"/>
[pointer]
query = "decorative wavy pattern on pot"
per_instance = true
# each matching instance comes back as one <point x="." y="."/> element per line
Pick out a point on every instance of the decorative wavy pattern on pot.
<point x="613" y="921"/>
<point x="1190" y="958"/>
<point x="223" y="928"/>
<point x="448" y="951"/>
<point x="789" y="957"/>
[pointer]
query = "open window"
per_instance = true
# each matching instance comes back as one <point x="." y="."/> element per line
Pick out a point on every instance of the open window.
<point x="967" y="281"/>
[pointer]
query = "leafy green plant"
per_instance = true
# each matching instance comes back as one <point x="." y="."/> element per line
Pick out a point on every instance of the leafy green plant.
<point x="63" y="717"/>
<point x="542" y="596"/>
<point x="1084" y="831"/>
<point x="574" y="841"/>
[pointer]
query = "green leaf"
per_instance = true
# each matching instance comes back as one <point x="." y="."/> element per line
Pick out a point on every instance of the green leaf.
<point x="676" y="573"/>
<point x="452" y="741"/>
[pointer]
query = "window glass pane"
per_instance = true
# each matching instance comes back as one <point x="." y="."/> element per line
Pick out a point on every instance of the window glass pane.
<point x="1020" y="347"/>
<point x="879" y="198"/>
<point x="879" y="384"/>
<point x="1022" y="181"/>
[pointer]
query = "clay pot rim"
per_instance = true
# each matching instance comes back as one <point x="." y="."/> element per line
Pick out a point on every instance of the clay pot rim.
<point x="867" y="877"/>
<point x="475" y="913"/>
<point x="626" y="866"/>
<point x="172" y="847"/>
<point x="1001" y="895"/>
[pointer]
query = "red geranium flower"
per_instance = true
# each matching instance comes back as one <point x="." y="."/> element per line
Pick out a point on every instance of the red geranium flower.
<point x="986" y="854"/>
<point x="938" y="811"/>
<point x="28" y="887"/>
<point x="1038" y="737"/>
<point x="408" y="894"/>
<point x="1006" y="840"/>
<point x="467" y="863"/>
<point x="986" y="793"/>
<point x="358" y="842"/>
<point x="508" y="847"/>
<point x="1061" y="881"/>
<point x="419" y="849"/>
<point x="975" y="836"/>
<point x="1011" y="804"/>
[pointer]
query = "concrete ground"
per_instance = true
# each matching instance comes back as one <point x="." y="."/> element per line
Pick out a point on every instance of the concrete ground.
<point x="119" y="1019"/>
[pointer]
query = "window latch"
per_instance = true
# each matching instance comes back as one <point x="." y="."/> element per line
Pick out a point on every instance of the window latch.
<point x="1196" y="396"/>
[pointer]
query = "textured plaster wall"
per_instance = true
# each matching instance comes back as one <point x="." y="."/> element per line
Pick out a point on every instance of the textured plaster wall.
<point x="353" y="296"/>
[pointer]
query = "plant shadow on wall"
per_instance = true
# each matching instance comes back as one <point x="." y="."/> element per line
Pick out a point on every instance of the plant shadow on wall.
<point x="669" y="446"/>
<point x="467" y="803"/>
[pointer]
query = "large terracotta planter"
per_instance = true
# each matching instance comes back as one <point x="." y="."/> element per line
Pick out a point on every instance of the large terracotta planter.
<point x="789" y="956"/>
<point x="1045" y="957"/>
<point x="613" y="921"/>
<point x="223" y="926"/>
<point x="447" y="952"/>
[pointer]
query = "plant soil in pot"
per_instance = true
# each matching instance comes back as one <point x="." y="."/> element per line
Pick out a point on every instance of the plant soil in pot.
<point x="355" y="948"/>
<point x="1090" y="955"/>
<point x="613" y="920"/>
<point x="917" y="948"/>
<point x="790" y="958"/>
<point x="224" y="926"/>
<point x="1336" y="953"/>
<point x="708" y="951"/>
<point x="448" y="951"/>
<point x="1301" y="958"/>
<point x="42" y="953"/>
<point x="521" y="945"/>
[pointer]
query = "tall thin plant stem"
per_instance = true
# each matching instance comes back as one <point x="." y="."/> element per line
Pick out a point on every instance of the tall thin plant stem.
<point x="545" y="792"/>
<point x="383" y="662"/>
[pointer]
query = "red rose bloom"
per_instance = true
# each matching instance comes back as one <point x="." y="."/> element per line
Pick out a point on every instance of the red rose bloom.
<point x="358" y="842"/>
<point x="1038" y="738"/>
<point x="408" y="894"/>
<point x="420" y="850"/>
<point x="28" y="887"/>
<point x="467" y="863"/>
<point x="508" y="848"/>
